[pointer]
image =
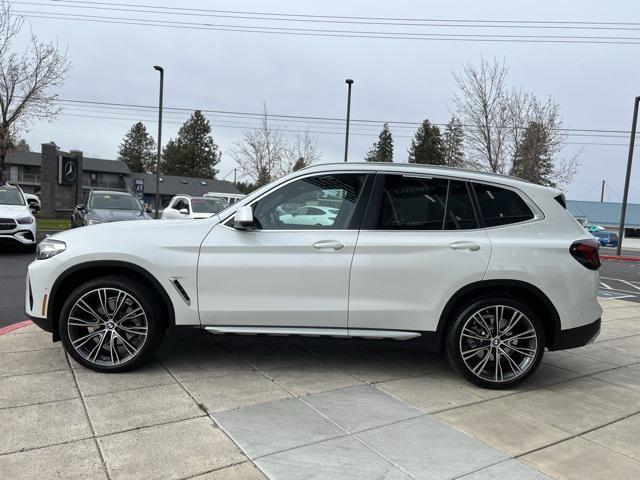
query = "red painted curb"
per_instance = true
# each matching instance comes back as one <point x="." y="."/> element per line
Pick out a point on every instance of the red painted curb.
<point x="14" y="326"/>
<point x="623" y="258"/>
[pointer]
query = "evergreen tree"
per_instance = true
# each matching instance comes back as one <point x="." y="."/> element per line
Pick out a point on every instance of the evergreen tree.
<point x="20" y="146"/>
<point x="532" y="160"/>
<point x="453" y="143"/>
<point x="137" y="150"/>
<point x="193" y="153"/>
<point x="426" y="146"/>
<point x="299" y="165"/>
<point x="382" y="150"/>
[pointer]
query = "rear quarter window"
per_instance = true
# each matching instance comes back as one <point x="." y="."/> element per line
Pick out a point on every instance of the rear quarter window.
<point x="500" y="206"/>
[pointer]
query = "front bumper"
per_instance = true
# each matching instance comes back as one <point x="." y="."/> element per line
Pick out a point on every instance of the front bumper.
<point x="577" y="337"/>
<point x="21" y="237"/>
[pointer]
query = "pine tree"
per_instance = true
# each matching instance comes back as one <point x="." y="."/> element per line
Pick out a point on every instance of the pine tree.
<point x="453" y="143"/>
<point x="426" y="146"/>
<point x="193" y="153"/>
<point x="137" y="150"/>
<point x="382" y="150"/>
<point x="532" y="160"/>
<point x="299" y="165"/>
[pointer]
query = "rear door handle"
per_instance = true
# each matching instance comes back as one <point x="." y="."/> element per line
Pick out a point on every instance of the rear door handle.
<point x="473" y="246"/>
<point x="328" y="245"/>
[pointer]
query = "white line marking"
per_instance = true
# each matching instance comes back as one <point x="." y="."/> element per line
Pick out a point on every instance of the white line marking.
<point x="606" y="286"/>
<point x="630" y="284"/>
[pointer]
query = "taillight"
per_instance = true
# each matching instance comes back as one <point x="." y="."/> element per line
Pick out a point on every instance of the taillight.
<point x="586" y="252"/>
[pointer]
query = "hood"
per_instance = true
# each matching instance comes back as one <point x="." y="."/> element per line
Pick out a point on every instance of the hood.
<point x="14" y="211"/>
<point x="202" y="215"/>
<point x="118" y="215"/>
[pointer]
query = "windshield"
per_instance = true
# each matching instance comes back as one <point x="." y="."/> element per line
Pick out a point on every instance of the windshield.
<point x="10" y="196"/>
<point x="208" y="205"/>
<point x="114" y="201"/>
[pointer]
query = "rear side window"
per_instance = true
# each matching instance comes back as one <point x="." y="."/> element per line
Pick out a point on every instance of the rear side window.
<point x="416" y="203"/>
<point x="500" y="206"/>
<point x="412" y="203"/>
<point x="460" y="213"/>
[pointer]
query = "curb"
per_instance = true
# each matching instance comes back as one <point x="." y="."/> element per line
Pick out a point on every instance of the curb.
<point x="14" y="326"/>
<point x="621" y="257"/>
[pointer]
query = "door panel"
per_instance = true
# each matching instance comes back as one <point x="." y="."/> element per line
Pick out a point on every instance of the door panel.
<point x="402" y="280"/>
<point x="284" y="272"/>
<point x="275" y="278"/>
<point x="419" y="245"/>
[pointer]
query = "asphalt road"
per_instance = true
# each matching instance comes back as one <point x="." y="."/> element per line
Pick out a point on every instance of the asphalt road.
<point x="619" y="279"/>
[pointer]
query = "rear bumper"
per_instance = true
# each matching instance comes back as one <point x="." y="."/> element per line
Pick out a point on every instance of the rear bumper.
<point x="576" y="337"/>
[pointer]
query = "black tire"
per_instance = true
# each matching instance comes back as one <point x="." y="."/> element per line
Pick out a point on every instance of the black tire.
<point x="500" y="346"/>
<point x="152" y="310"/>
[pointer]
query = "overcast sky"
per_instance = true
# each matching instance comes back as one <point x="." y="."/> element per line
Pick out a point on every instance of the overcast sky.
<point x="395" y="80"/>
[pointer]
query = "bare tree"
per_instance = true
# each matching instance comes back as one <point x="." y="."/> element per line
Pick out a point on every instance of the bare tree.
<point x="511" y="131"/>
<point x="262" y="152"/>
<point x="27" y="81"/>
<point x="302" y="152"/>
<point x="482" y="107"/>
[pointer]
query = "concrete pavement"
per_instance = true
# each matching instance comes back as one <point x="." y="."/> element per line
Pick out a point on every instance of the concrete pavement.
<point x="248" y="408"/>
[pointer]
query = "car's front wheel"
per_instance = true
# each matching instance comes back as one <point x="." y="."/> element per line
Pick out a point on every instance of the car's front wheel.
<point x="111" y="324"/>
<point x="495" y="342"/>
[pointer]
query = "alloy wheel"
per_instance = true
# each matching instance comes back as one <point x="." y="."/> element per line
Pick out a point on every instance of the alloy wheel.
<point x="498" y="343"/>
<point x="107" y="326"/>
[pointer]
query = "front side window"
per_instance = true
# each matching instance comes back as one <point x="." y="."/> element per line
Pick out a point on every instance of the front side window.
<point x="319" y="202"/>
<point x="500" y="206"/>
<point x="208" y="205"/>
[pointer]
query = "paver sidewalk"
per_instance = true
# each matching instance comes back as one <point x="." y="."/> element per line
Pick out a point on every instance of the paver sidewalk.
<point x="244" y="408"/>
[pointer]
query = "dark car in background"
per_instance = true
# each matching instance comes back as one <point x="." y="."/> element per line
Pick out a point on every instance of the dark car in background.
<point x="606" y="239"/>
<point x="101" y="206"/>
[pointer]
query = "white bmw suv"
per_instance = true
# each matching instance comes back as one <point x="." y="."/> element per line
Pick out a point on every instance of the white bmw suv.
<point x="488" y="268"/>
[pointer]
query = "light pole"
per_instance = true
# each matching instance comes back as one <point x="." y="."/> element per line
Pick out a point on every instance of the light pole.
<point x="625" y="196"/>
<point x="161" y="70"/>
<point x="349" y="82"/>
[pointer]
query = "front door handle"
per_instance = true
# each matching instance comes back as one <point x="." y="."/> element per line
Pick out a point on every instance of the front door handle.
<point x="328" y="245"/>
<point x="472" y="246"/>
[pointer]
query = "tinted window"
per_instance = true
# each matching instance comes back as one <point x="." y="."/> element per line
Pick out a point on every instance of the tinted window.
<point x="413" y="203"/>
<point x="280" y="210"/>
<point x="500" y="206"/>
<point x="460" y="214"/>
<point x="208" y="205"/>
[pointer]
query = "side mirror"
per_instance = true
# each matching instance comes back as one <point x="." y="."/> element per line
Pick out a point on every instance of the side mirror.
<point x="148" y="210"/>
<point x="80" y="206"/>
<point x="244" y="218"/>
<point x="184" y="211"/>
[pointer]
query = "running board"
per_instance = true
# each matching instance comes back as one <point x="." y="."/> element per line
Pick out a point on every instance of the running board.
<point x="315" y="332"/>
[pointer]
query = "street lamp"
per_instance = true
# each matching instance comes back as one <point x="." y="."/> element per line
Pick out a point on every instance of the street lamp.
<point x="161" y="70"/>
<point x="632" y="142"/>
<point x="349" y="82"/>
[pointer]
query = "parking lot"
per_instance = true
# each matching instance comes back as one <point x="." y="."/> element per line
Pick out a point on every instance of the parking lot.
<point x="248" y="407"/>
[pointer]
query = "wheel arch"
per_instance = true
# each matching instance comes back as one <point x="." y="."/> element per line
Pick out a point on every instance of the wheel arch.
<point x="530" y="294"/>
<point x="73" y="276"/>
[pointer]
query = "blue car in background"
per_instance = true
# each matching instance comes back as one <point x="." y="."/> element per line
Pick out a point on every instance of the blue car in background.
<point x="606" y="239"/>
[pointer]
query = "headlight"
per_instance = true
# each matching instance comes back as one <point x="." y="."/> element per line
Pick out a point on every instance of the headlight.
<point x="49" y="248"/>
<point x="25" y="220"/>
<point x="93" y="221"/>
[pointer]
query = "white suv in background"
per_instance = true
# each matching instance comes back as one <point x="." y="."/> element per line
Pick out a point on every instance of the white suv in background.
<point x="186" y="206"/>
<point x="489" y="268"/>
<point x="17" y="223"/>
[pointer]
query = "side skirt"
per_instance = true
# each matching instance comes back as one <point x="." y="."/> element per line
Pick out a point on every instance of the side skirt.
<point x="316" y="332"/>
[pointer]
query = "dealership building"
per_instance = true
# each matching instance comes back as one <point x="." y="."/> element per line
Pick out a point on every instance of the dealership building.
<point x="45" y="173"/>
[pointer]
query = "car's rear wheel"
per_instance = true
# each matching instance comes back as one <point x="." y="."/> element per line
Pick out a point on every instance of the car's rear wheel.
<point x="496" y="342"/>
<point x="111" y="324"/>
